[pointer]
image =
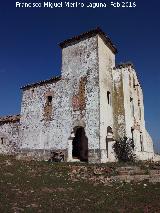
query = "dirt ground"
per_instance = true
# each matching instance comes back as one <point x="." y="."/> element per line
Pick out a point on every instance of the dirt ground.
<point x="29" y="186"/>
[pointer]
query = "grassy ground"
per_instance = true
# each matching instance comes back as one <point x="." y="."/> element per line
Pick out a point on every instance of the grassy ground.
<point x="46" y="187"/>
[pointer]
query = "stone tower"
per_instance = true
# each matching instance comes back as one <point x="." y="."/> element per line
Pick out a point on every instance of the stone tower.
<point x="83" y="111"/>
<point x="87" y="62"/>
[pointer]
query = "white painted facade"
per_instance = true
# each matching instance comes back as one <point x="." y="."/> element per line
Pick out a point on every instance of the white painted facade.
<point x="134" y="123"/>
<point x="91" y="93"/>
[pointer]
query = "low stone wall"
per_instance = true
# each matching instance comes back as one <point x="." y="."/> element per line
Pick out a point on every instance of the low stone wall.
<point x="94" y="156"/>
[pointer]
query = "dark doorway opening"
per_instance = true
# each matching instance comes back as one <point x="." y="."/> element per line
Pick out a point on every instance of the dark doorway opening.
<point x="80" y="145"/>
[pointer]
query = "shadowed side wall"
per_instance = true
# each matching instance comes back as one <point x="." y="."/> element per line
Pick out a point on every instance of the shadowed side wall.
<point x="118" y="105"/>
<point x="134" y="114"/>
<point x="106" y="63"/>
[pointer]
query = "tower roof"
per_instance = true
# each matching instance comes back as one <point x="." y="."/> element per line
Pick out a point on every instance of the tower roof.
<point x="89" y="34"/>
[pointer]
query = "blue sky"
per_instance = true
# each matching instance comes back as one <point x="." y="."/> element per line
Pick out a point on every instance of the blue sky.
<point x="29" y="49"/>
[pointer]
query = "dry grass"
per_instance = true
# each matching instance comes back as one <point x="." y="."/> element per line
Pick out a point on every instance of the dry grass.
<point x="44" y="187"/>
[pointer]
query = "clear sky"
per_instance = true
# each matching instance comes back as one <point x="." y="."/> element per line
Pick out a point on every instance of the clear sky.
<point x="29" y="49"/>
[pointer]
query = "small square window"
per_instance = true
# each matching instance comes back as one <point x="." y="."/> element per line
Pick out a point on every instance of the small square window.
<point x="2" y="141"/>
<point x="49" y="100"/>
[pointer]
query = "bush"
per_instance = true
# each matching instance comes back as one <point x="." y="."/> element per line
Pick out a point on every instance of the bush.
<point x="124" y="149"/>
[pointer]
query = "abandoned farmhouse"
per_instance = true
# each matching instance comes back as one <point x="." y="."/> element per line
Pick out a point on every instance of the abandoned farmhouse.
<point x="82" y="112"/>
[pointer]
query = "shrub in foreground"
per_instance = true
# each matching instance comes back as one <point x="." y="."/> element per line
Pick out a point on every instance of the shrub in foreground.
<point x="124" y="150"/>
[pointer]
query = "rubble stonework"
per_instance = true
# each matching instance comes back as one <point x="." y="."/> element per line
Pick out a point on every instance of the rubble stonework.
<point x="83" y="111"/>
<point x="9" y="134"/>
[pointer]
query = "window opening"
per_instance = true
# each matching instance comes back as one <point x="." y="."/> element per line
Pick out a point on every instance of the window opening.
<point x="2" y="141"/>
<point x="49" y="100"/>
<point x="109" y="97"/>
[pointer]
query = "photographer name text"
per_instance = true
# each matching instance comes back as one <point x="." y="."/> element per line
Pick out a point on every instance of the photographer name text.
<point x="69" y="4"/>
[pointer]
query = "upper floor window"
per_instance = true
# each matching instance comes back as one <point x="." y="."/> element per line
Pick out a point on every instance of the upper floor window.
<point x="139" y="109"/>
<point x="130" y="80"/>
<point x="2" y="141"/>
<point x="108" y="97"/>
<point x="140" y="114"/>
<point x="132" y="106"/>
<point x="49" y="100"/>
<point x="134" y="83"/>
<point x="141" y="142"/>
<point x="48" y="107"/>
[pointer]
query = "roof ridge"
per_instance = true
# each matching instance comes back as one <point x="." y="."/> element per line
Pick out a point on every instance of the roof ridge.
<point x="50" y="80"/>
<point x="88" y="34"/>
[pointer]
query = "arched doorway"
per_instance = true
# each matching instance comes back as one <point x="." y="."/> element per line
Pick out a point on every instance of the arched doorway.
<point x="109" y="138"/>
<point x="80" y="145"/>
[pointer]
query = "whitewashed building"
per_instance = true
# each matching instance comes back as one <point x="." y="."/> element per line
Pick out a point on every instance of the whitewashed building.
<point x="83" y="111"/>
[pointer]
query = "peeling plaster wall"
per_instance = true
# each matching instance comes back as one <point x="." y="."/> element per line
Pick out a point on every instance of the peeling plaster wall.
<point x="126" y="87"/>
<point x="118" y="105"/>
<point x="134" y="92"/>
<point x="149" y="143"/>
<point x="106" y="63"/>
<point x="80" y="61"/>
<point x="37" y="131"/>
<point x="51" y="111"/>
<point x="9" y="134"/>
<point x="148" y="153"/>
<point x="75" y="100"/>
<point x="132" y="89"/>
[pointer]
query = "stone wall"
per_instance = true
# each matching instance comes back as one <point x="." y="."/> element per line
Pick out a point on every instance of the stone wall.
<point x="133" y="113"/>
<point x="106" y="63"/>
<point x="80" y="61"/>
<point x="43" y="124"/>
<point x="106" y="100"/>
<point x="118" y="105"/>
<point x="75" y="100"/>
<point x="9" y="135"/>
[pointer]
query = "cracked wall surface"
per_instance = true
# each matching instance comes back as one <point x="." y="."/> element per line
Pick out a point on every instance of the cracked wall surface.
<point x="92" y="92"/>
<point x="9" y="135"/>
<point x="129" y="110"/>
<point x="75" y="100"/>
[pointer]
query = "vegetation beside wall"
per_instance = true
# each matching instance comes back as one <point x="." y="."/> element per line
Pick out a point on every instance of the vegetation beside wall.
<point x="31" y="186"/>
<point x="124" y="150"/>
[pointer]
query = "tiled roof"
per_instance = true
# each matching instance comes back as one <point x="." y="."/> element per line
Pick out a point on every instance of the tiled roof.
<point x="89" y="34"/>
<point x="51" y="80"/>
<point x="9" y="119"/>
